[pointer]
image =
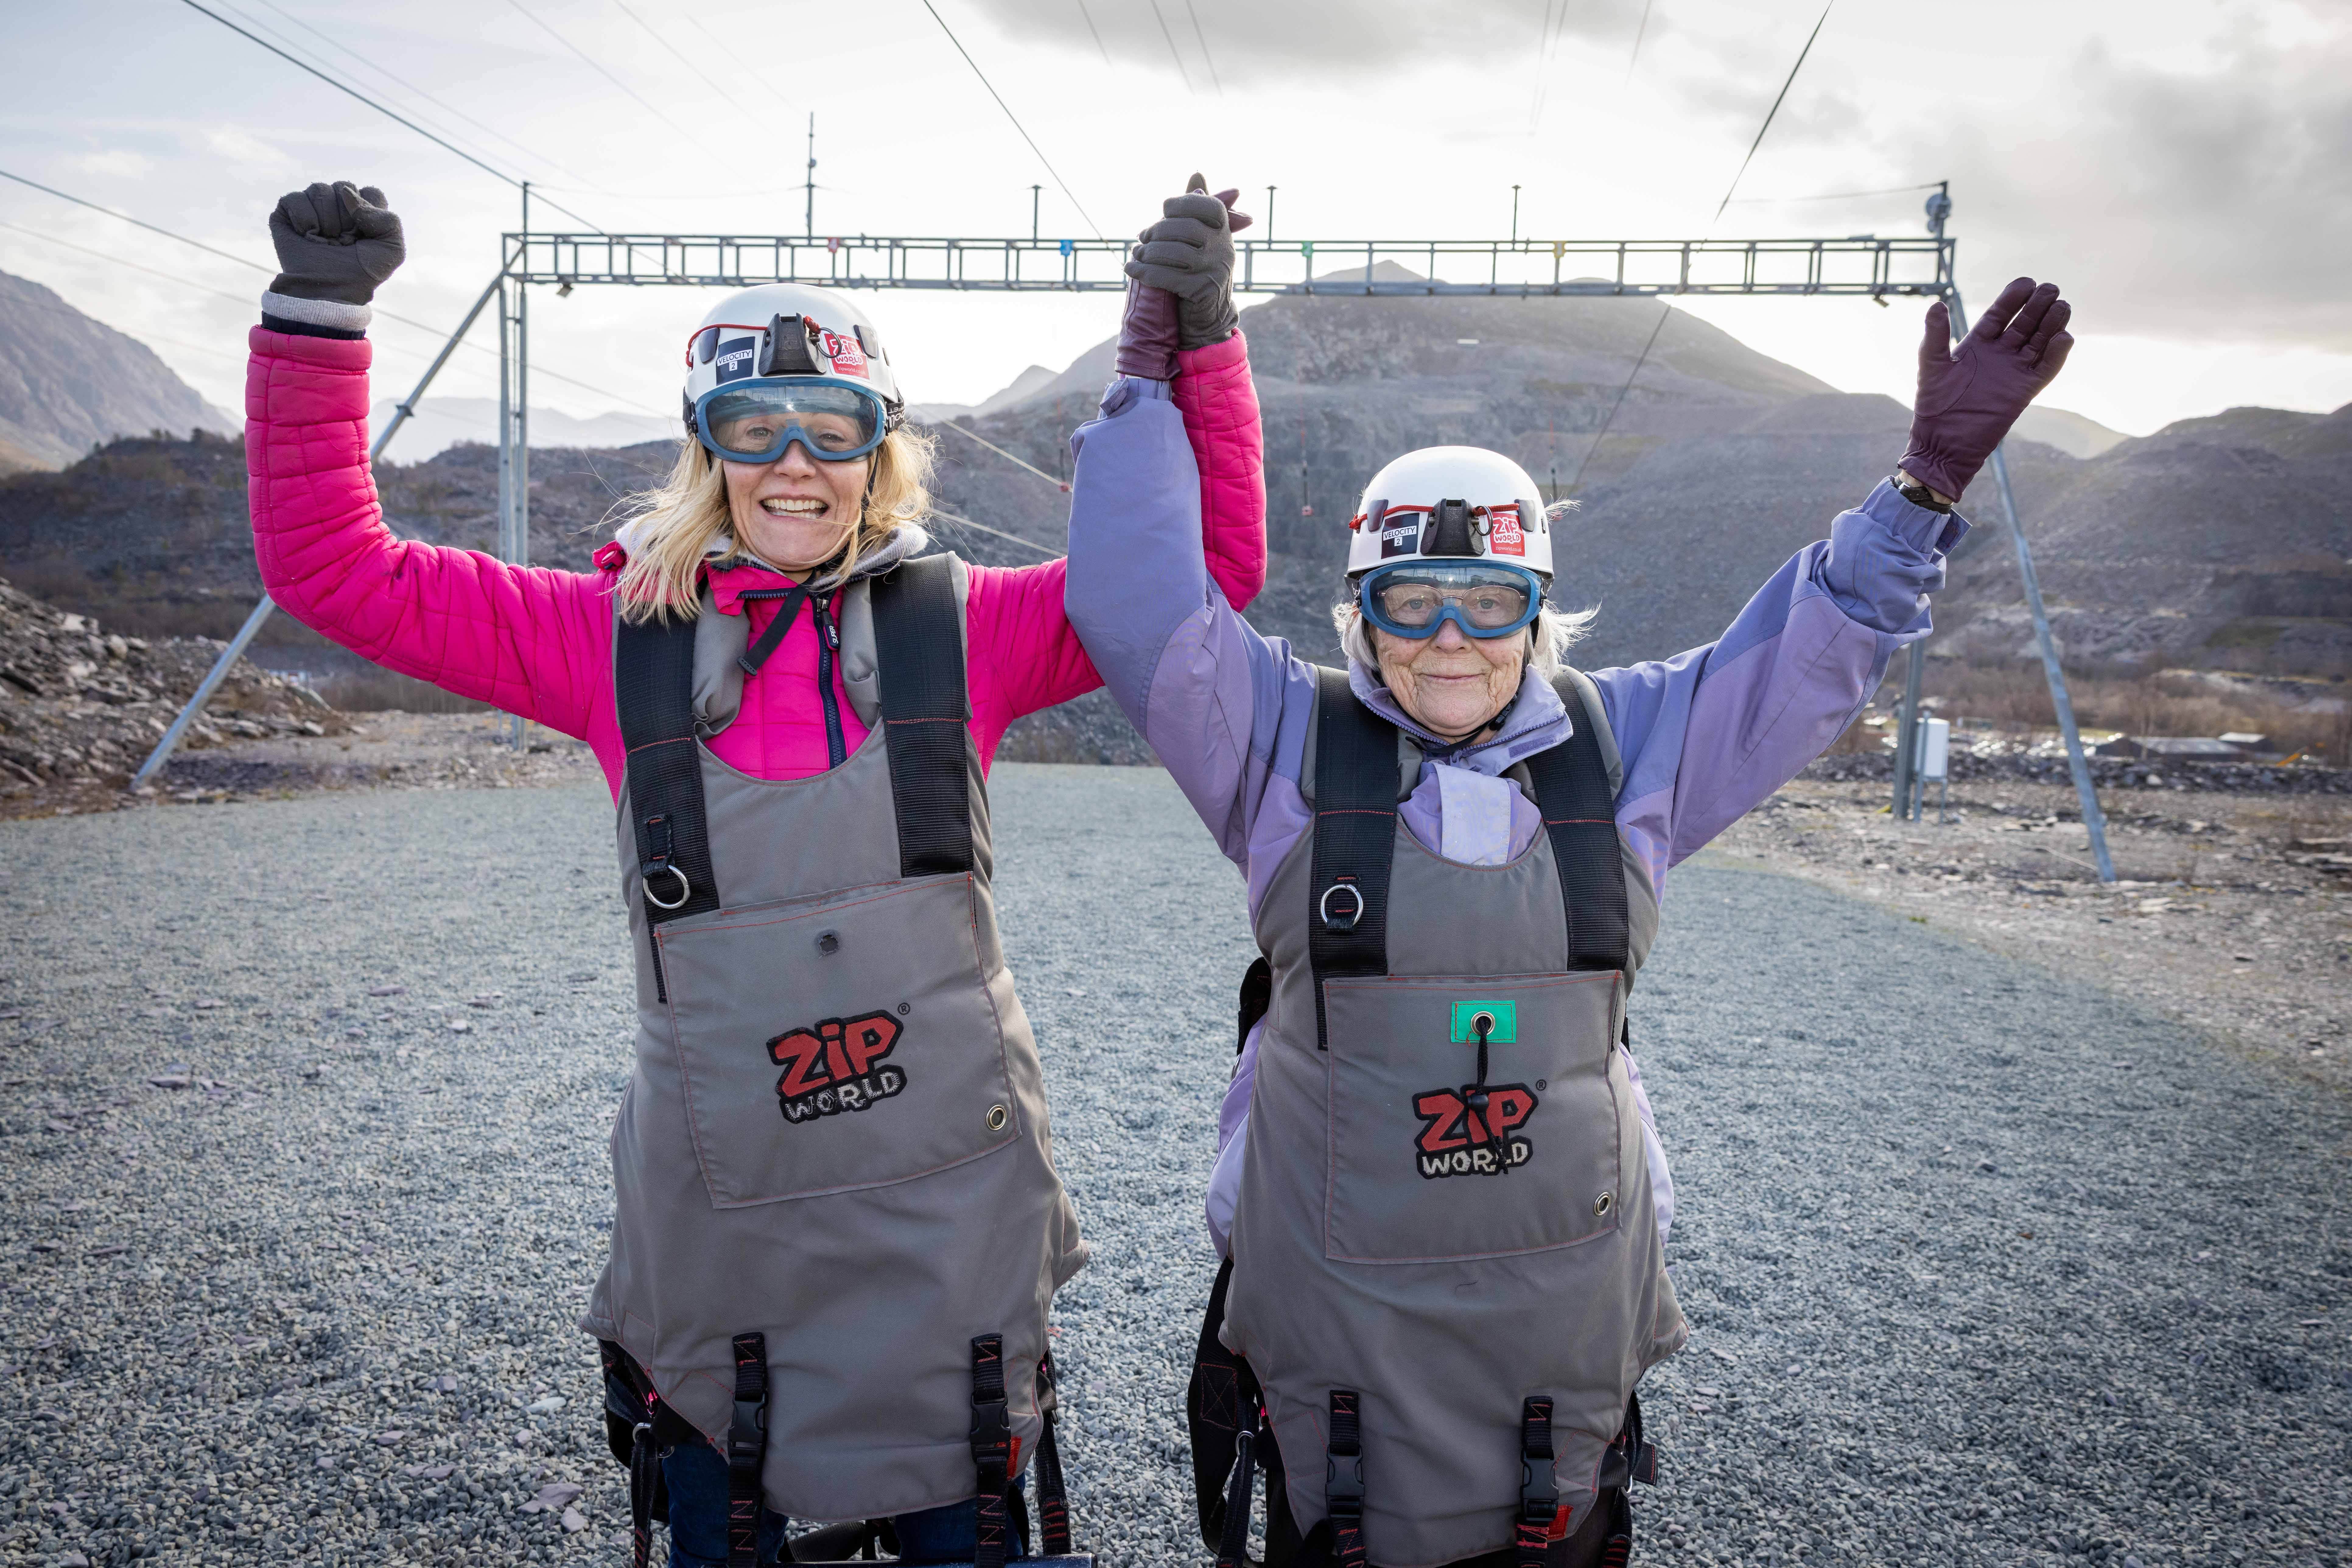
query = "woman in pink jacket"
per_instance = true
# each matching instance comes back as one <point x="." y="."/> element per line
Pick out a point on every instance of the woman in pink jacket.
<point x="838" y="1225"/>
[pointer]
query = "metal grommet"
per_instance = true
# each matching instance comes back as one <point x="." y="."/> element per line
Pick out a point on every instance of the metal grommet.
<point x="1603" y="1204"/>
<point x="1482" y="1023"/>
<point x="685" y="889"/>
<point x="1336" y="922"/>
<point x="996" y="1118"/>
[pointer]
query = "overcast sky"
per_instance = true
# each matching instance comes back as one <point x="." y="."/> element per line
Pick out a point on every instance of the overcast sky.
<point x="2178" y="166"/>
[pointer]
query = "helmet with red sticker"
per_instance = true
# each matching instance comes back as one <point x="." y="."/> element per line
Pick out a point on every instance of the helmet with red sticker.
<point x="1451" y="502"/>
<point x="790" y="333"/>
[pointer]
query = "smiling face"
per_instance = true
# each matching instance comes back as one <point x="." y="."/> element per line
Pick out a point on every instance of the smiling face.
<point x="1451" y="685"/>
<point x="794" y="512"/>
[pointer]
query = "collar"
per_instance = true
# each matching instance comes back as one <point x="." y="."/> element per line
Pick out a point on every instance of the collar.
<point x="1535" y="721"/>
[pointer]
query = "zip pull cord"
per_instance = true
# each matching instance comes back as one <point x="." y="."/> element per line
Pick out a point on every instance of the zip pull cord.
<point x="1475" y="1096"/>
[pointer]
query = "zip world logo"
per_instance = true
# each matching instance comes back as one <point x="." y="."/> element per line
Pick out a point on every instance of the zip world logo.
<point x="835" y="1065"/>
<point x="1456" y="1140"/>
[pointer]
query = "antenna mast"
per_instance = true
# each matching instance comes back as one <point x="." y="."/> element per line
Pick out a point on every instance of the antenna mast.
<point x="808" y="220"/>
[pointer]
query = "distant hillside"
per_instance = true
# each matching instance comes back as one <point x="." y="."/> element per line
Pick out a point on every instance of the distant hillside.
<point x="66" y="382"/>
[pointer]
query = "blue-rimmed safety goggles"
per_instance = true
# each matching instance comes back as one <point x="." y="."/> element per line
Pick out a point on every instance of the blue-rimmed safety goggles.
<point x="753" y="421"/>
<point x="1486" y="599"/>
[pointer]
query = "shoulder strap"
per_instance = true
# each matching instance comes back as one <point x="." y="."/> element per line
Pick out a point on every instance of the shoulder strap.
<point x="1355" y="837"/>
<point x="918" y="654"/>
<point x="653" y="691"/>
<point x="1579" y="812"/>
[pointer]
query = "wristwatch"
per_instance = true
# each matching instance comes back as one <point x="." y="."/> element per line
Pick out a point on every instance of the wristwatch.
<point x="1918" y="495"/>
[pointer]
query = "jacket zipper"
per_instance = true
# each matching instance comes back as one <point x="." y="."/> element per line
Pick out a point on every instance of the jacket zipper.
<point x="828" y="643"/>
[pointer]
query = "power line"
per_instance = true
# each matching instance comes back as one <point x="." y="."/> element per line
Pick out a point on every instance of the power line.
<point x="974" y="63"/>
<point x="1089" y="16"/>
<point x="1775" y="109"/>
<point x="389" y="114"/>
<point x="1172" y="53"/>
<point x="1202" y="39"/>
<point x="586" y="60"/>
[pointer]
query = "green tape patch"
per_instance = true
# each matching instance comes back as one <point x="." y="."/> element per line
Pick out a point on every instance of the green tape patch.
<point x="1505" y="1014"/>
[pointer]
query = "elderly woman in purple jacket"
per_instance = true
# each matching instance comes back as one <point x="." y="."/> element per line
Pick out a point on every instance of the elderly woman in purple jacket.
<point x="1440" y="1197"/>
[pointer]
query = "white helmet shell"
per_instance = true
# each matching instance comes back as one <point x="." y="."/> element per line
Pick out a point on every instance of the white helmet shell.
<point x="824" y="334"/>
<point x="1451" y="502"/>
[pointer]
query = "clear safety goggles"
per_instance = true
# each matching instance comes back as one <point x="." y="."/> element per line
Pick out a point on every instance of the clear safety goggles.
<point x="1413" y="598"/>
<point x="754" y="421"/>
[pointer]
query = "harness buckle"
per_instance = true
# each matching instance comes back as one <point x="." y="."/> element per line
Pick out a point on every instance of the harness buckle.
<point x="1343" y="1485"/>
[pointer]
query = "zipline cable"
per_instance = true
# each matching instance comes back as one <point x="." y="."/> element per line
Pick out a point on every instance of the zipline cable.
<point x="347" y="88"/>
<point x="968" y="435"/>
<point x="1025" y="544"/>
<point x="1173" y="52"/>
<point x="543" y="26"/>
<point x="1089" y="16"/>
<point x="446" y="108"/>
<point x="1836" y="195"/>
<point x="982" y="75"/>
<point x="271" y="271"/>
<point x="1668" y="310"/>
<point x="707" y="77"/>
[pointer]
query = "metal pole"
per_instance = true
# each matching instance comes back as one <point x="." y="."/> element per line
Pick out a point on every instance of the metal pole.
<point x="514" y="436"/>
<point x="1514" y="214"/>
<point x="2094" y="821"/>
<point x="809" y="220"/>
<point x="1269" y="213"/>
<point x="1907" y="737"/>
<point x="261" y="612"/>
<point x="1034" y="192"/>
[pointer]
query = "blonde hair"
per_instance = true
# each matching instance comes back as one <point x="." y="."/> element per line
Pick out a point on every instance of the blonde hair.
<point x="674" y="528"/>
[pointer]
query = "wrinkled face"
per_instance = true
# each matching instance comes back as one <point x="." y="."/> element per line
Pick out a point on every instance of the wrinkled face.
<point x="1451" y="685"/>
<point x="794" y="512"/>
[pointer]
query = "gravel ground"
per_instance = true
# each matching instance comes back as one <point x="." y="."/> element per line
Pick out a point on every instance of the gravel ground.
<point x="1984" y="1266"/>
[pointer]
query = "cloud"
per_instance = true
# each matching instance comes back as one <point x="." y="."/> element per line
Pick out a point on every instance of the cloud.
<point x="1264" y="42"/>
<point x="2204" y="197"/>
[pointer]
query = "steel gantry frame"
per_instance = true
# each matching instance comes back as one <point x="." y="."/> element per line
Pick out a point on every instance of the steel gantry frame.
<point x="1863" y="265"/>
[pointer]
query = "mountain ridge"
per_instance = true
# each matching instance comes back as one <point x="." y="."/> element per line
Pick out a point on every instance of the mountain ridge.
<point x="68" y="380"/>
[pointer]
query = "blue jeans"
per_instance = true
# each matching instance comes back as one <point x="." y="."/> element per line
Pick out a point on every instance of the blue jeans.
<point x="696" y="1475"/>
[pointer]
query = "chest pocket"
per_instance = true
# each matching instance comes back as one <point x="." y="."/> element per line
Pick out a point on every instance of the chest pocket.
<point x="1420" y="1171"/>
<point x="844" y="1041"/>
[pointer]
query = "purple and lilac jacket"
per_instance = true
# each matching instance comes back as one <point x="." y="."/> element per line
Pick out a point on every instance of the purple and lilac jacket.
<point x="1704" y="736"/>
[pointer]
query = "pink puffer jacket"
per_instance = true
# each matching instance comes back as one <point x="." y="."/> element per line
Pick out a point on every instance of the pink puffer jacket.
<point x="540" y="643"/>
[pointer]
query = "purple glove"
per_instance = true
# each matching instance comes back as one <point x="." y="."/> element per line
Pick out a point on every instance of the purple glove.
<point x="1188" y="256"/>
<point x="1969" y="400"/>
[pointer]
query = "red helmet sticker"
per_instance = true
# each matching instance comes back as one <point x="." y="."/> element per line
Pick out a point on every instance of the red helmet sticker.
<point x="1504" y="535"/>
<point x="848" y="357"/>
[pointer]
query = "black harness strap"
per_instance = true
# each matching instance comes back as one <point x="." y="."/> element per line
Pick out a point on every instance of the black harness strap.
<point x="1539" y="1493"/>
<point x="653" y="693"/>
<point x="991" y="1448"/>
<point x="1355" y="837"/>
<point x="919" y="642"/>
<point x="1572" y="783"/>
<point x="1053" y="1497"/>
<point x="759" y="653"/>
<point x="1343" y="1483"/>
<point x="747" y="1450"/>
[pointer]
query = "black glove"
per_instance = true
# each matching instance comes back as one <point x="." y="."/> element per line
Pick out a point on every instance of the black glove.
<point x="335" y="242"/>
<point x="1189" y="254"/>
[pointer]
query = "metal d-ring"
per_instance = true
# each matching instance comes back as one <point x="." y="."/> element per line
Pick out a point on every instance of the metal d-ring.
<point x="1323" y="907"/>
<point x="685" y="889"/>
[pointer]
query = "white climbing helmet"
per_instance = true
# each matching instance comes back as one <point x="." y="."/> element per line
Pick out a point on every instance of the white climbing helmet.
<point x="787" y="330"/>
<point x="1451" y="502"/>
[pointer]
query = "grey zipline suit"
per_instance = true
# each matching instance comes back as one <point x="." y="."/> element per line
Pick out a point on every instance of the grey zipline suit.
<point x="834" y="1134"/>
